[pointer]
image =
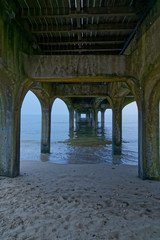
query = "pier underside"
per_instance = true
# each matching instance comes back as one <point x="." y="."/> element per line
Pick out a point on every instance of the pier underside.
<point x="94" y="55"/>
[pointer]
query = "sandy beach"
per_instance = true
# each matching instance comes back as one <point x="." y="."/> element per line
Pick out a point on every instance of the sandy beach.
<point x="78" y="202"/>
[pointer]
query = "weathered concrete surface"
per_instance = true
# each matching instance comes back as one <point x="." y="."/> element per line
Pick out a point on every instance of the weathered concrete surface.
<point x="102" y="118"/>
<point x="71" y="118"/>
<point x="145" y="65"/>
<point x="19" y="70"/>
<point x="13" y="40"/>
<point x="145" y="50"/>
<point x="75" y="90"/>
<point x="46" y="129"/>
<point x="117" y="126"/>
<point x="68" y="66"/>
<point x="95" y="118"/>
<point x="9" y="133"/>
<point x="78" y="117"/>
<point x="13" y="87"/>
<point x="81" y="89"/>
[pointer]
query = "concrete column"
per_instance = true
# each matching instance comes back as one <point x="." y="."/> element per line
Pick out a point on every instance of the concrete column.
<point x="148" y="142"/>
<point x="116" y="129"/>
<point x="71" y="119"/>
<point x="94" y="118"/>
<point x="78" y="117"/>
<point x="102" y="119"/>
<point x="87" y="117"/>
<point x="9" y="138"/>
<point x="46" y="128"/>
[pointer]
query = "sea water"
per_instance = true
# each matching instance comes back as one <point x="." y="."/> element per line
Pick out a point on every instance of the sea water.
<point x="82" y="145"/>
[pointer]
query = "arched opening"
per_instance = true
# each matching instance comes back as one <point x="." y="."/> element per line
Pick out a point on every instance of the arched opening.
<point x="59" y="130"/>
<point x="130" y="133"/>
<point x="83" y="116"/>
<point x="30" y="127"/>
<point x="108" y="123"/>
<point x="99" y="118"/>
<point x="104" y="104"/>
<point x="65" y="142"/>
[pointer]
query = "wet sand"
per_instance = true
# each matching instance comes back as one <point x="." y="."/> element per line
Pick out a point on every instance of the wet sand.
<point x="78" y="202"/>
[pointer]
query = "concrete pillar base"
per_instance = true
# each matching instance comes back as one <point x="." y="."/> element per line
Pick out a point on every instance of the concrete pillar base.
<point x="148" y="143"/>
<point x="117" y="128"/>
<point x="46" y="128"/>
<point x="78" y="117"/>
<point x="94" y="119"/>
<point x="9" y="140"/>
<point x="102" y="119"/>
<point x="71" y="119"/>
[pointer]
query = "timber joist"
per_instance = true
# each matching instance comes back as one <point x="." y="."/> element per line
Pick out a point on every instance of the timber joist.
<point x="81" y="27"/>
<point x="83" y="13"/>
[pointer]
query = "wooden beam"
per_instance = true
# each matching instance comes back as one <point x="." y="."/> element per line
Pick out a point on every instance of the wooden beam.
<point x="80" y="43"/>
<point x="114" y="27"/>
<point x="82" y="50"/>
<point x="85" y="47"/>
<point x="82" y="13"/>
<point x="93" y="38"/>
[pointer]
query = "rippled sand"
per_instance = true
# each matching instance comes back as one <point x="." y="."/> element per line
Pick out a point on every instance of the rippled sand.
<point x="78" y="202"/>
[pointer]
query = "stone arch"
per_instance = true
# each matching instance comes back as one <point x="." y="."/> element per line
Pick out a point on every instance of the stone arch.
<point x="128" y="99"/>
<point x="102" y="105"/>
<point x="136" y="91"/>
<point x="146" y="96"/>
<point x="10" y="127"/>
<point x="66" y="100"/>
<point x="46" y="106"/>
<point x="154" y="96"/>
<point x="151" y="76"/>
<point x="116" y="98"/>
<point x="98" y="101"/>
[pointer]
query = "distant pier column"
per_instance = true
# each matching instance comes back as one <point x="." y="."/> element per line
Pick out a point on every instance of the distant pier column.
<point x="117" y="129"/>
<point x="71" y="119"/>
<point x="94" y="118"/>
<point x="88" y="118"/>
<point x="46" y="128"/>
<point x="78" y="117"/>
<point x="102" y="118"/>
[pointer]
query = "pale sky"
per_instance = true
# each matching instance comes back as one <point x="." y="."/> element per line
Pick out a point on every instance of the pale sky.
<point x="31" y="105"/>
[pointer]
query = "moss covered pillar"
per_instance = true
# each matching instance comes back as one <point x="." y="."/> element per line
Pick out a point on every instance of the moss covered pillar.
<point x="148" y="141"/>
<point x="117" y="127"/>
<point x="88" y="118"/>
<point x="78" y="117"/>
<point x="46" y="128"/>
<point x="9" y="137"/>
<point x="102" y="118"/>
<point x="71" y="118"/>
<point x="94" y="118"/>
